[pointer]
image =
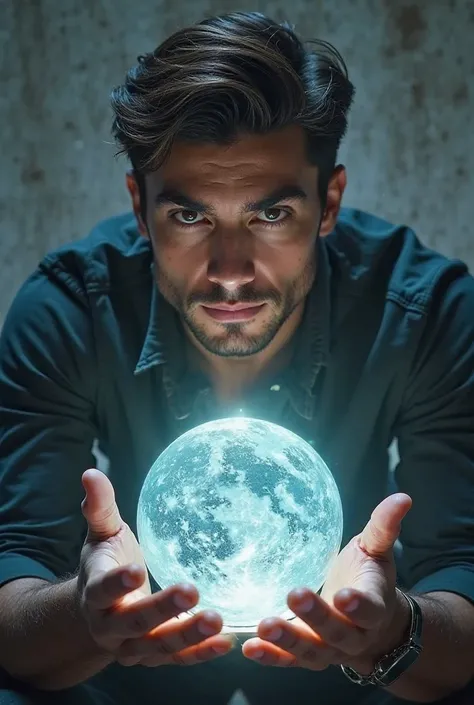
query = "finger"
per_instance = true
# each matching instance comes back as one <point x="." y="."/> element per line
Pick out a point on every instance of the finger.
<point x="137" y="619"/>
<point x="334" y="628"/>
<point x="365" y="610"/>
<point x="207" y="650"/>
<point x="171" y="638"/>
<point x="99" y="507"/>
<point x="383" y="527"/>
<point x="298" y="639"/>
<point x="104" y="589"/>
<point x="267" y="654"/>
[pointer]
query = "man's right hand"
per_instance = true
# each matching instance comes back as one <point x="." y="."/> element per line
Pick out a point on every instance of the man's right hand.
<point x="125" y="620"/>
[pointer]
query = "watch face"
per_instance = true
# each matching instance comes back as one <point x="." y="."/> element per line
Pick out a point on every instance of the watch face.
<point x="390" y="660"/>
<point x="402" y="662"/>
<point x="388" y="669"/>
<point x="393" y="665"/>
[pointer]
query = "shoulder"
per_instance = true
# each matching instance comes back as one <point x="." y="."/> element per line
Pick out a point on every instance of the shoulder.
<point x="372" y="254"/>
<point x="112" y="254"/>
<point x="52" y="308"/>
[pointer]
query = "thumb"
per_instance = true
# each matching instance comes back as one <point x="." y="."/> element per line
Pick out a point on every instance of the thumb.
<point x="99" y="507"/>
<point x="383" y="527"/>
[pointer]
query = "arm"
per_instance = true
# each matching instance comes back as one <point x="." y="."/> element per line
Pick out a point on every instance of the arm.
<point x="46" y="435"/>
<point x="435" y="435"/>
<point x="108" y="610"/>
<point x="359" y="617"/>
<point x="446" y="664"/>
<point x="45" y="639"/>
<point x="56" y="634"/>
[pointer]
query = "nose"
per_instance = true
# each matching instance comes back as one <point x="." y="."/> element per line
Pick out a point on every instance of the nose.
<point x="231" y="262"/>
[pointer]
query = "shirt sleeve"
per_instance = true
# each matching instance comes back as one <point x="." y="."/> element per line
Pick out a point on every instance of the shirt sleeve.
<point x="47" y="428"/>
<point x="436" y="447"/>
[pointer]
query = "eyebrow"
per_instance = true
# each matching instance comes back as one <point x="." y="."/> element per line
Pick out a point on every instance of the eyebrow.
<point x="179" y="198"/>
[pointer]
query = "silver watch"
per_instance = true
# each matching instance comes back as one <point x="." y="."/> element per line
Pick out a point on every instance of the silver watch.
<point x="393" y="665"/>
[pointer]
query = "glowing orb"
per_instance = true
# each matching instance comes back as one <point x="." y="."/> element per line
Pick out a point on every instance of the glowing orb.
<point x="246" y="511"/>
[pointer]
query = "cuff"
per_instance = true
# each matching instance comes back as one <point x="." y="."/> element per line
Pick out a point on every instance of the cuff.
<point x="458" y="579"/>
<point x="13" y="566"/>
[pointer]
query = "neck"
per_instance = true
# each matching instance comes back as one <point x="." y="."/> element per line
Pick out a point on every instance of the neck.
<point x="231" y="376"/>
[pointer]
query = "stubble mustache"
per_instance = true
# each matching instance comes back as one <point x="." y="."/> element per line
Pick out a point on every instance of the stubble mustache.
<point x="243" y="295"/>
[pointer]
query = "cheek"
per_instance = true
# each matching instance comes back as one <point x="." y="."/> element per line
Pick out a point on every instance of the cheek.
<point x="170" y="256"/>
<point x="167" y="259"/>
<point x="285" y="264"/>
<point x="171" y="272"/>
<point x="180" y="267"/>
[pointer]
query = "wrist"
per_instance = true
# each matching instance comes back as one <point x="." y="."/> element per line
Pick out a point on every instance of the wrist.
<point x="391" y="665"/>
<point x="397" y="631"/>
<point x="391" y="635"/>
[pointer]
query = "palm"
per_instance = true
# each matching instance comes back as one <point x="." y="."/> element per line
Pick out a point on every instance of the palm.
<point x="354" y="568"/>
<point x="119" y="550"/>
<point x="349" y="622"/>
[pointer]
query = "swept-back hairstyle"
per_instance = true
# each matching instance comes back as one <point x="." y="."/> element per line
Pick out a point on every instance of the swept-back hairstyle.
<point x="227" y="76"/>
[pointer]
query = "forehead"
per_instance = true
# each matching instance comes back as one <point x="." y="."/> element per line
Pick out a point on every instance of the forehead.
<point x="261" y="163"/>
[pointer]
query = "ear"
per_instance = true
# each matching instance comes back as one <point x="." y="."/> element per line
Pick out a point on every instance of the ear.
<point x="134" y="191"/>
<point x="336" y="188"/>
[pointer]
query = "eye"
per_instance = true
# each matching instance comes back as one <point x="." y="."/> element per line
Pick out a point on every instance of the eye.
<point x="273" y="215"/>
<point x="188" y="217"/>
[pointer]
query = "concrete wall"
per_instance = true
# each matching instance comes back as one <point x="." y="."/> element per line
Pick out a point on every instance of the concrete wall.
<point x="410" y="151"/>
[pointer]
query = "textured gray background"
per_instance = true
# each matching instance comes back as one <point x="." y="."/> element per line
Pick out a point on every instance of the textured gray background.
<point x="409" y="152"/>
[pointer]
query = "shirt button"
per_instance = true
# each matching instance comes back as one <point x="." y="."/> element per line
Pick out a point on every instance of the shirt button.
<point x="275" y="388"/>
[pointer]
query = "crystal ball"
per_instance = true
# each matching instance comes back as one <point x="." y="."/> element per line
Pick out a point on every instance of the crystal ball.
<point x="245" y="510"/>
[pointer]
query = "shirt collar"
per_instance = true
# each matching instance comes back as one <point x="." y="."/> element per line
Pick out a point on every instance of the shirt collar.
<point x="164" y="336"/>
<point x="164" y="344"/>
<point x="312" y="347"/>
<point x="153" y="351"/>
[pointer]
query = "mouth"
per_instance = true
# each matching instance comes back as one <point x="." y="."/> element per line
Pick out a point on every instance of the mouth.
<point x="233" y="313"/>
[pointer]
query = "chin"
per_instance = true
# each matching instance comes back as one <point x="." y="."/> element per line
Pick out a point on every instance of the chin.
<point x="233" y="346"/>
<point x="232" y="340"/>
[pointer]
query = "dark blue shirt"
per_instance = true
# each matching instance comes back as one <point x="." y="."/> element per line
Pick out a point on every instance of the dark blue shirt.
<point x="385" y="352"/>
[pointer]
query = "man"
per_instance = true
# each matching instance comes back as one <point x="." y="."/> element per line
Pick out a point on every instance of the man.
<point x="239" y="282"/>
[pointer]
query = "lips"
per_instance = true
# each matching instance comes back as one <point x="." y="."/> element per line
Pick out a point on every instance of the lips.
<point x="233" y="307"/>
<point x="227" y="313"/>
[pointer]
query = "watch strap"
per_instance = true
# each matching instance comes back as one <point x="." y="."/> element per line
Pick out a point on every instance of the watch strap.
<point x="391" y="666"/>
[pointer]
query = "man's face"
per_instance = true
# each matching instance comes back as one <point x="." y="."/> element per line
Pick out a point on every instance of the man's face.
<point x="233" y="231"/>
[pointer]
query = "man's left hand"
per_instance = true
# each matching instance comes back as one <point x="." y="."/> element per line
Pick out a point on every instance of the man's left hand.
<point x="359" y="616"/>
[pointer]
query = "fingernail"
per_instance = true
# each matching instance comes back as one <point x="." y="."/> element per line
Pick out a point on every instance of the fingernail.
<point x="206" y="629"/>
<point x="306" y="604"/>
<point x="344" y="594"/>
<point x="231" y="639"/>
<point x="302" y="599"/>
<point x="224" y="648"/>
<point x="184" y="602"/>
<point x="129" y="579"/>
<point x="220" y="649"/>
<point x="185" y="597"/>
<point x="352" y="605"/>
<point x="257" y="654"/>
<point x="274" y="634"/>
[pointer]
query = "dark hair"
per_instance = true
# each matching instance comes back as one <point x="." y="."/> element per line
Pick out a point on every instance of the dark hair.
<point x="229" y="75"/>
